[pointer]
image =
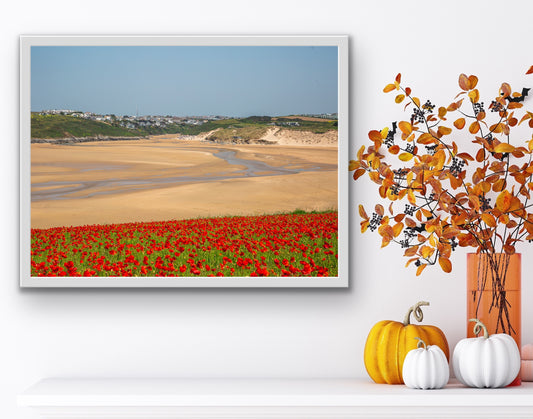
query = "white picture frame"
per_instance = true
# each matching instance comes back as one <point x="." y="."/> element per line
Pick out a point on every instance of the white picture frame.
<point x="341" y="280"/>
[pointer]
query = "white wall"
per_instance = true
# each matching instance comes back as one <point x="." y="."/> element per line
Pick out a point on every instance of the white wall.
<point x="282" y="333"/>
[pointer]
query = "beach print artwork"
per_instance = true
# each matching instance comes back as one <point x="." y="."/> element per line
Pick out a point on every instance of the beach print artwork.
<point x="184" y="165"/>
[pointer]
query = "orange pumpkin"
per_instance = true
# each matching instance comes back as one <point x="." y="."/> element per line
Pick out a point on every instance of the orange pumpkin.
<point x="389" y="341"/>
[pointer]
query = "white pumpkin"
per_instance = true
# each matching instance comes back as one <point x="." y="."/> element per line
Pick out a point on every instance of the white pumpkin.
<point x="486" y="361"/>
<point x="425" y="367"/>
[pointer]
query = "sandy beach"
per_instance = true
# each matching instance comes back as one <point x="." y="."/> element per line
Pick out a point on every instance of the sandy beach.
<point x="168" y="178"/>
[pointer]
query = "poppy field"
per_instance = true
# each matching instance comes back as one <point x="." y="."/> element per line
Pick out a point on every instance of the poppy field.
<point x="271" y="245"/>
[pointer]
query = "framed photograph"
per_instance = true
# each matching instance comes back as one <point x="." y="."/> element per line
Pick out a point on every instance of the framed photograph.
<point x="184" y="161"/>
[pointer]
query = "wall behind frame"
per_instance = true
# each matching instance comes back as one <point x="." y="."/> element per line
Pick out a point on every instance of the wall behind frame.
<point x="254" y="333"/>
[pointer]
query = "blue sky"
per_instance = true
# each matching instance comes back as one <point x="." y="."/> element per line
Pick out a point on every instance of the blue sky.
<point x="185" y="80"/>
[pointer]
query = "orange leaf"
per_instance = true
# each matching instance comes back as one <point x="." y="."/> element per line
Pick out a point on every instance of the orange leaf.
<point x="473" y="81"/>
<point x="389" y="88"/>
<point x="474" y="127"/>
<point x="499" y="185"/>
<point x="380" y="210"/>
<point x="358" y="173"/>
<point x="354" y="164"/>
<point x="426" y="138"/>
<point x="399" y="217"/>
<point x="395" y="149"/>
<point x="503" y="202"/>
<point x="445" y="264"/>
<point x="405" y="127"/>
<point x="397" y="229"/>
<point x="362" y="212"/>
<point x="439" y="158"/>
<point x="460" y="123"/>
<point x="442" y="112"/>
<point x="510" y="250"/>
<point x="360" y="153"/>
<point x="444" y="131"/>
<point x="375" y="135"/>
<point x="398" y="78"/>
<point x="411" y="197"/>
<point x="464" y="83"/>
<point x="465" y="156"/>
<point x="420" y="269"/>
<point x="488" y="219"/>
<point x="506" y="89"/>
<point x="530" y="70"/>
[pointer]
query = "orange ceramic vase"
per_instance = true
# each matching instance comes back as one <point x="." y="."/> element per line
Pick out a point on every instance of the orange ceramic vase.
<point x="493" y="294"/>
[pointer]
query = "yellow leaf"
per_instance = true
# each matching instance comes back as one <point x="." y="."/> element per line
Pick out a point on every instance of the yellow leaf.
<point x="405" y="156"/>
<point x="504" y="148"/>
<point x="442" y="112"/>
<point x="384" y="132"/>
<point x="399" y="98"/>
<point x="389" y="88"/>
<point x="354" y="164"/>
<point x="426" y="251"/>
<point x="474" y="95"/>
<point x="416" y="101"/>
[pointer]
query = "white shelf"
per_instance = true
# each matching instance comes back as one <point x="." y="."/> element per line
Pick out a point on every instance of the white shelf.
<point x="268" y="398"/>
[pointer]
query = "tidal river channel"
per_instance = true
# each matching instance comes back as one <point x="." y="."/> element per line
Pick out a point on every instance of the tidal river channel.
<point x="237" y="168"/>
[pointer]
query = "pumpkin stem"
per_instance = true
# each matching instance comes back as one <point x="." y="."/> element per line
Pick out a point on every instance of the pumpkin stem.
<point x="421" y="343"/>
<point x="417" y="312"/>
<point x="480" y="326"/>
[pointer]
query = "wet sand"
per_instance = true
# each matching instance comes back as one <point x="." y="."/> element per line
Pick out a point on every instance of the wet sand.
<point x="164" y="178"/>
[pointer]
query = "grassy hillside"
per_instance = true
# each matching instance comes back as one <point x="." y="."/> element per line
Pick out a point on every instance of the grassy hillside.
<point x="61" y="126"/>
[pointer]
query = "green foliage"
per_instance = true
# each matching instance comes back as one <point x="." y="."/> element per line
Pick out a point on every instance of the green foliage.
<point x="253" y="127"/>
<point x="61" y="126"/>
